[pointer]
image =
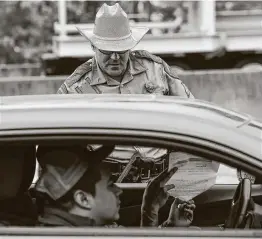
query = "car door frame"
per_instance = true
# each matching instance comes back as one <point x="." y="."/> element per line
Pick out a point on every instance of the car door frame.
<point x="231" y="157"/>
<point x="221" y="153"/>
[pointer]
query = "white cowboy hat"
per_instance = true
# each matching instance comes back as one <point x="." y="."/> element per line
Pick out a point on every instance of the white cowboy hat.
<point x="112" y="31"/>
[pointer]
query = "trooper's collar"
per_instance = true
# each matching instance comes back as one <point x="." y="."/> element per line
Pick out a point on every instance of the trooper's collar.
<point x="98" y="77"/>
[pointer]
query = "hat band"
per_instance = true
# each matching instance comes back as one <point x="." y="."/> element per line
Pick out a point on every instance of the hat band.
<point x="113" y="39"/>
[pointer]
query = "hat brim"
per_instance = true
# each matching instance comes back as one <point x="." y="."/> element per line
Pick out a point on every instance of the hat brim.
<point x="137" y="33"/>
<point x="81" y="150"/>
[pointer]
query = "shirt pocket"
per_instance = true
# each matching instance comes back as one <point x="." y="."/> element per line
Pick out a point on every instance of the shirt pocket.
<point x="155" y="89"/>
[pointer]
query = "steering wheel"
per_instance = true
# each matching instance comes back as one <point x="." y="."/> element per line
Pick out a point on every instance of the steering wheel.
<point x="239" y="205"/>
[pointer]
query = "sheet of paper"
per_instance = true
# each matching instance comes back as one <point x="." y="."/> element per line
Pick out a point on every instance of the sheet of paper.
<point x="191" y="178"/>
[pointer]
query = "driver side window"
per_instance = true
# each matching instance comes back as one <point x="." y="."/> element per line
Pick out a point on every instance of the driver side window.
<point x="226" y="175"/>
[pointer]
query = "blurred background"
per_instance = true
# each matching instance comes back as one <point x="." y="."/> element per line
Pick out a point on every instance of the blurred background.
<point x="214" y="46"/>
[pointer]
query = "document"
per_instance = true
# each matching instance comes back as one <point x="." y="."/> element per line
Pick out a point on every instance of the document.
<point x="194" y="176"/>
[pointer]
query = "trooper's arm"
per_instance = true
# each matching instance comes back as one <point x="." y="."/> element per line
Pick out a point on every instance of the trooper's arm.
<point x="175" y="86"/>
<point x="73" y="82"/>
<point x="178" y="88"/>
<point x="64" y="89"/>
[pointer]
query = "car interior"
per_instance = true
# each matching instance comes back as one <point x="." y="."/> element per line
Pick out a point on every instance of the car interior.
<point x="17" y="168"/>
<point x="223" y="206"/>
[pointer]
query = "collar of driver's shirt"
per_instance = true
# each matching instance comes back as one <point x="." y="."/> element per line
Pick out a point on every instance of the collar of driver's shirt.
<point x="134" y="68"/>
<point x="57" y="217"/>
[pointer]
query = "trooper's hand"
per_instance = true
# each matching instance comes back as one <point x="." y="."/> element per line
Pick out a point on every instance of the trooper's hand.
<point x="180" y="214"/>
<point x="146" y="163"/>
<point x="155" y="194"/>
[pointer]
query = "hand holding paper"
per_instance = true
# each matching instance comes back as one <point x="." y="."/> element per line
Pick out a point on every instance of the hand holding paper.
<point x="155" y="196"/>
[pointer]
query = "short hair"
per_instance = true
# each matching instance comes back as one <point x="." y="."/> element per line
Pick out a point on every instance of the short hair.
<point x="86" y="183"/>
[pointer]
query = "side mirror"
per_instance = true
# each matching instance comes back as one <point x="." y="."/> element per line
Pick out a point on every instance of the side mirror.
<point x="241" y="175"/>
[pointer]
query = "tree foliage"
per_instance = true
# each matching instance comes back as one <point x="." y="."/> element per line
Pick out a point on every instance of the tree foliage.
<point x="26" y="27"/>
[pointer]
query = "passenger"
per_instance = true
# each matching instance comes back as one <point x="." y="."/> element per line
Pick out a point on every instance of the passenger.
<point x="79" y="190"/>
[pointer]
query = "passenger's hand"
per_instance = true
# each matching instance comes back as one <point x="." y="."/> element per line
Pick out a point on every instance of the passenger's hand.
<point x="181" y="214"/>
<point x="155" y="196"/>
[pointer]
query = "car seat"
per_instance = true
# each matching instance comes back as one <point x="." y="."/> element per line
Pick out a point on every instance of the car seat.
<point x="17" y="168"/>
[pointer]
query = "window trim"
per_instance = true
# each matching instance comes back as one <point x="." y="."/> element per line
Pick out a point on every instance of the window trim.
<point x="138" y="233"/>
<point x="209" y="149"/>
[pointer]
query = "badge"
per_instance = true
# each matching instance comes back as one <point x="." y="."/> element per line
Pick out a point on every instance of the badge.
<point x="150" y="87"/>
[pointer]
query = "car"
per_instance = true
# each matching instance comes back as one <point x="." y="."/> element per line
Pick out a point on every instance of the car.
<point x="192" y="126"/>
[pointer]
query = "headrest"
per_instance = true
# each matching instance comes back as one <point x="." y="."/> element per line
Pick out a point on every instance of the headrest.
<point x="17" y="168"/>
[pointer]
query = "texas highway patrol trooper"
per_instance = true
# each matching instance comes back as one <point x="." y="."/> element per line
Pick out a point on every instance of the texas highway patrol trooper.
<point x="116" y="70"/>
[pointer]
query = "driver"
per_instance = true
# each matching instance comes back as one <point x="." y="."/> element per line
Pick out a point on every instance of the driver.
<point x="79" y="191"/>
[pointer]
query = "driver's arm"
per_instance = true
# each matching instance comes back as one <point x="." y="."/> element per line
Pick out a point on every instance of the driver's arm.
<point x="180" y="214"/>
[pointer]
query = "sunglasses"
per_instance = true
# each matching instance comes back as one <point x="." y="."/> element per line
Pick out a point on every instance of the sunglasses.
<point x="111" y="52"/>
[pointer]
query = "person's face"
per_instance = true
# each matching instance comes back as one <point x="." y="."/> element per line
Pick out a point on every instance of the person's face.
<point x="112" y="63"/>
<point x="105" y="208"/>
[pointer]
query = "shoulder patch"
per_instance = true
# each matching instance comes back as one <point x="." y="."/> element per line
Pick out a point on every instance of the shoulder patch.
<point x="78" y="73"/>
<point x="147" y="55"/>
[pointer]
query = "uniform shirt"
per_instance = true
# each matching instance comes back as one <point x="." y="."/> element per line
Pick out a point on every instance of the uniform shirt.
<point x="145" y="74"/>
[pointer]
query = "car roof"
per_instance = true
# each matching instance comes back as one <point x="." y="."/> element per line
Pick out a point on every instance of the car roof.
<point x="144" y="112"/>
<point x="124" y="103"/>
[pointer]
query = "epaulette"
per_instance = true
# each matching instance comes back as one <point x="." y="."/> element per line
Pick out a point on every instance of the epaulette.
<point x="78" y="73"/>
<point x="147" y="55"/>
